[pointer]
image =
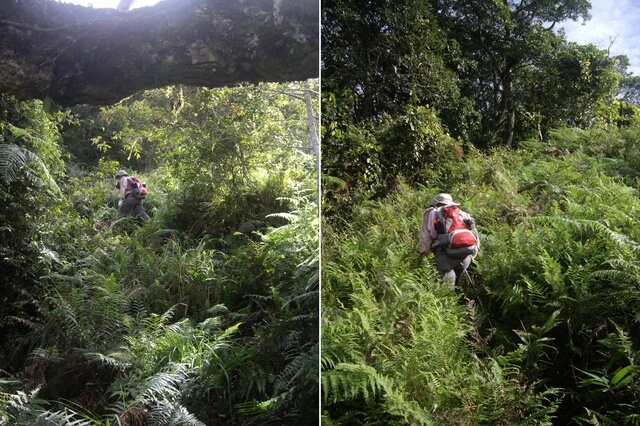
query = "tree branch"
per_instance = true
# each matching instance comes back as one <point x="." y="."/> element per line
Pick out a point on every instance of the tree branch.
<point x="74" y="54"/>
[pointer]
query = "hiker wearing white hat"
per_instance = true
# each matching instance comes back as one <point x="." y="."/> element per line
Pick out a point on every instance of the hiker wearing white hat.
<point x="451" y="235"/>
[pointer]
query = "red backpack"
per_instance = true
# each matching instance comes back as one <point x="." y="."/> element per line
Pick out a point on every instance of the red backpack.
<point x="138" y="187"/>
<point x="454" y="233"/>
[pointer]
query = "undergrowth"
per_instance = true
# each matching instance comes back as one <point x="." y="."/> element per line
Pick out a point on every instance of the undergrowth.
<point x="553" y="336"/>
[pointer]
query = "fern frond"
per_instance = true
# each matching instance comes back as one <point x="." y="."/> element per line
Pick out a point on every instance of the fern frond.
<point x="350" y="381"/>
<point x="24" y="408"/>
<point x="168" y="413"/>
<point x="12" y="160"/>
<point x="301" y="300"/>
<point x="15" y="160"/>
<point x="302" y="368"/>
<point x="289" y="217"/>
<point x="28" y="323"/>
<point x="118" y="360"/>
<point x="625" y="271"/>
<point x="588" y="228"/>
<point x="164" y="384"/>
<point x="59" y="418"/>
<point x="250" y="226"/>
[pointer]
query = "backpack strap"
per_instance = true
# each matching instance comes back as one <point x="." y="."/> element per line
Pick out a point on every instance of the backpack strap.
<point x="438" y="222"/>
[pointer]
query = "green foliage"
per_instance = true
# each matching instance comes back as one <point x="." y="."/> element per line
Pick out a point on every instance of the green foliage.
<point x="396" y="348"/>
<point x="383" y="72"/>
<point x="110" y="322"/>
<point x="381" y="58"/>
<point x="15" y="161"/>
<point x="162" y="364"/>
<point x="289" y="255"/>
<point x="557" y="275"/>
<point x="26" y="409"/>
<point x="30" y="163"/>
<point x="369" y="160"/>
<point x="589" y="97"/>
<point x="558" y="266"/>
<point x="26" y="125"/>
<point x="222" y="157"/>
<point x="561" y="249"/>
<point x="492" y="72"/>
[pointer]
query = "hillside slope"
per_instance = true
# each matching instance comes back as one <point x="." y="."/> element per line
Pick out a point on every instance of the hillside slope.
<point x="555" y="340"/>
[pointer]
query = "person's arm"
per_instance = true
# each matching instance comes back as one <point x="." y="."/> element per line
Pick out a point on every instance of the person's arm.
<point x="425" y="233"/>
<point x="123" y="187"/>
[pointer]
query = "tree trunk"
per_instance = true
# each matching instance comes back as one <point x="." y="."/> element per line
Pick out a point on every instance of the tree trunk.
<point x="314" y="142"/>
<point x="75" y="54"/>
<point x="510" y="111"/>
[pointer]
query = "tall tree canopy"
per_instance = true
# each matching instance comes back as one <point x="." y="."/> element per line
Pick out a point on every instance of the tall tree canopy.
<point x="403" y="80"/>
<point x="501" y="39"/>
<point x="383" y="70"/>
<point x="74" y="54"/>
<point x="388" y="53"/>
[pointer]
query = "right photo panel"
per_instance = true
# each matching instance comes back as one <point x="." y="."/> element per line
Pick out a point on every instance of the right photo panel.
<point x="480" y="188"/>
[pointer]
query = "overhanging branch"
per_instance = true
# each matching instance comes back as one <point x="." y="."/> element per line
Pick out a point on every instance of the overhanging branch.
<point x="74" y="54"/>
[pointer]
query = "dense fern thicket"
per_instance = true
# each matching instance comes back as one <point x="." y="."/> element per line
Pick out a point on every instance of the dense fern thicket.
<point x="207" y="314"/>
<point x="553" y="335"/>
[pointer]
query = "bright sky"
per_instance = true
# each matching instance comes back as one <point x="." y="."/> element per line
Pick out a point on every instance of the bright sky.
<point x="109" y="3"/>
<point x="611" y="20"/>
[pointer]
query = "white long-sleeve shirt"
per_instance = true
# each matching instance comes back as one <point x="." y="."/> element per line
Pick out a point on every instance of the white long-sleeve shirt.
<point x="124" y="187"/>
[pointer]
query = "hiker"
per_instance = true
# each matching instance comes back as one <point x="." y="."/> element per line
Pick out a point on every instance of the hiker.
<point x="451" y="235"/>
<point x="128" y="203"/>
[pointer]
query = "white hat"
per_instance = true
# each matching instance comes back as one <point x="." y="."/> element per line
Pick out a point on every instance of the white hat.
<point x="121" y="173"/>
<point x="444" y="199"/>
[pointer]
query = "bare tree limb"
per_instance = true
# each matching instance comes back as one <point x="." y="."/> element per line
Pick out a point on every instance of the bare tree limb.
<point x="74" y="54"/>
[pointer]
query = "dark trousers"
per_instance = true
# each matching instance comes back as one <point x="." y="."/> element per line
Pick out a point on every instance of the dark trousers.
<point x="133" y="205"/>
<point x="451" y="268"/>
